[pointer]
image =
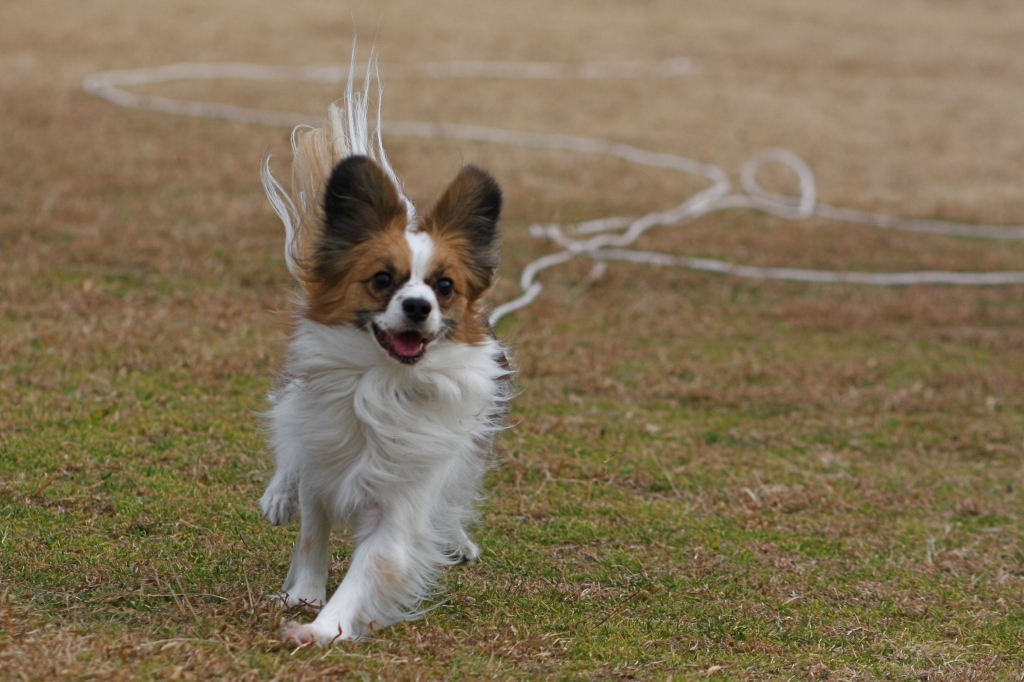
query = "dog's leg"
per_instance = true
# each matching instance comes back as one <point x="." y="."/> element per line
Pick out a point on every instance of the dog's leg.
<point x="306" y="583"/>
<point x="455" y="509"/>
<point x="392" y="568"/>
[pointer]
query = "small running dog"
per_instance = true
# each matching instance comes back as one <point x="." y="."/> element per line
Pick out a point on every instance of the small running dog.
<point x="394" y="385"/>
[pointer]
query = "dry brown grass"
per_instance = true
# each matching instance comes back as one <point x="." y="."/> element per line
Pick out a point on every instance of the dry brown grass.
<point x="754" y="480"/>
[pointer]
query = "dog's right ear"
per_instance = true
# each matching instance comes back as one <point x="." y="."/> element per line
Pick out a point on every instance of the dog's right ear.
<point x="360" y="202"/>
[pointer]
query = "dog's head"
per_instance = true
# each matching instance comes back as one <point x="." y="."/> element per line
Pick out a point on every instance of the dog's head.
<point x="407" y="284"/>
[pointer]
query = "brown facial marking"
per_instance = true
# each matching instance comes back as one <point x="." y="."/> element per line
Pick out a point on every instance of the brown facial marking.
<point x="461" y="310"/>
<point x="463" y="225"/>
<point x="362" y="234"/>
<point x="351" y="297"/>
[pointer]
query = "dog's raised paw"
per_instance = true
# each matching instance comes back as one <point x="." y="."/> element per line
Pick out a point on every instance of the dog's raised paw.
<point x="470" y="552"/>
<point x="279" y="506"/>
<point x="466" y="552"/>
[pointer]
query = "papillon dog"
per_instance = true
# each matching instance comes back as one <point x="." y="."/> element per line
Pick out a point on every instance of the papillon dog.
<point x="394" y="385"/>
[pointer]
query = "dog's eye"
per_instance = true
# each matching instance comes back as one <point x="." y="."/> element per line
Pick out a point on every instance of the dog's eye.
<point x="381" y="281"/>
<point x="445" y="287"/>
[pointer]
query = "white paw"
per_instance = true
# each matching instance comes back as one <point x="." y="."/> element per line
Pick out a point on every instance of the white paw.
<point x="466" y="552"/>
<point x="303" y="634"/>
<point x="280" y="505"/>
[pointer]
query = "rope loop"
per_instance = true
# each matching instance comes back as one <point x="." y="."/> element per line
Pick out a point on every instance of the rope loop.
<point x="794" y="208"/>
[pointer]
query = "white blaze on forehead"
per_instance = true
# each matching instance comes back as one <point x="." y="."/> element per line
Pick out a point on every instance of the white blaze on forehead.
<point x="394" y="318"/>
<point x="422" y="247"/>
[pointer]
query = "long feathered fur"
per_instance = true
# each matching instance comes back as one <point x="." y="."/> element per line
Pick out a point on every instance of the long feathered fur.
<point x="315" y="152"/>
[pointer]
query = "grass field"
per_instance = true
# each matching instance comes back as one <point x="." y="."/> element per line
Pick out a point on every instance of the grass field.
<point x="706" y="478"/>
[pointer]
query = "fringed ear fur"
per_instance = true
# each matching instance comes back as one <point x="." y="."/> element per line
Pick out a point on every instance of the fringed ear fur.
<point x="359" y="202"/>
<point x="467" y="216"/>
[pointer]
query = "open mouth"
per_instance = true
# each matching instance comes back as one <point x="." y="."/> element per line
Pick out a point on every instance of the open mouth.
<point x="406" y="347"/>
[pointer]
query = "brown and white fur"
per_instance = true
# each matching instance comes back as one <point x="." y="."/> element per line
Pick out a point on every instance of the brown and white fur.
<point x="394" y="385"/>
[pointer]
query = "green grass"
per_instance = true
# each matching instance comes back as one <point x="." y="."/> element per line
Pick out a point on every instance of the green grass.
<point x="628" y="533"/>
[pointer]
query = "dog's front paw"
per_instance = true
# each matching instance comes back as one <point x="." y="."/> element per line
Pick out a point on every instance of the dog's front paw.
<point x="299" y="634"/>
<point x="304" y="634"/>
<point x="280" y="505"/>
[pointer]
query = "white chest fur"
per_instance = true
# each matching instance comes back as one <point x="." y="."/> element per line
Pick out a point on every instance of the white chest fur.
<point x="353" y="427"/>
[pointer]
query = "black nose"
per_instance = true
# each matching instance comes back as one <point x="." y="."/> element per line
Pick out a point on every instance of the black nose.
<point x="416" y="309"/>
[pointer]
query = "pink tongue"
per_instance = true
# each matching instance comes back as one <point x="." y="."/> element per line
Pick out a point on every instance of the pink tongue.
<point x="407" y="344"/>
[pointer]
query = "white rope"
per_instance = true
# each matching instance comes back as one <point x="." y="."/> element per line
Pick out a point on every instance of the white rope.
<point x="596" y="239"/>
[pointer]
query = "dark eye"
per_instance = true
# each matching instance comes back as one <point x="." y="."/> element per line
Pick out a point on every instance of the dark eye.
<point x="444" y="287"/>
<point x="381" y="281"/>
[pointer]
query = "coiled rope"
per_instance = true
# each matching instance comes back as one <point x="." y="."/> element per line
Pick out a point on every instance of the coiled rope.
<point x="605" y="239"/>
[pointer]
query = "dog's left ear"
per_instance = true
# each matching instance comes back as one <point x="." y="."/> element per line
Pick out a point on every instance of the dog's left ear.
<point x="466" y="216"/>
